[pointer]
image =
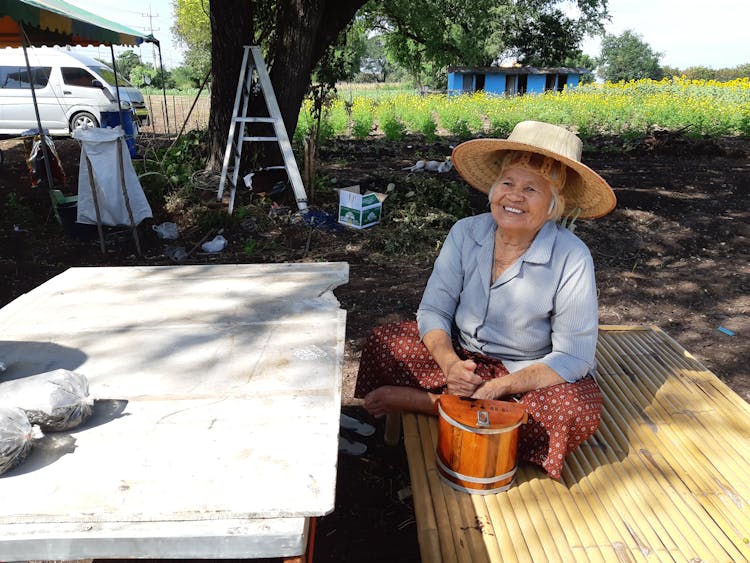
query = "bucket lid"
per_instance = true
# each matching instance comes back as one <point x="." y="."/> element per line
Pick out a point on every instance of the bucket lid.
<point x="482" y="413"/>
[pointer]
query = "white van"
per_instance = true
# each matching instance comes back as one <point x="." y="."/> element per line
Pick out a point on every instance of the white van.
<point x="72" y="91"/>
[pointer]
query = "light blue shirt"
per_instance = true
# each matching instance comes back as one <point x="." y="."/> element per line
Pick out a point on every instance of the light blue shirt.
<point x="542" y="309"/>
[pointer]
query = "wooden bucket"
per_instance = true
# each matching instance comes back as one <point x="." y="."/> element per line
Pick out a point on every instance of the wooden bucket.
<point x="478" y="443"/>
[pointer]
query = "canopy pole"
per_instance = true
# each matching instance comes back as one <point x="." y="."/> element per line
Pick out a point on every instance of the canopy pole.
<point x="95" y="197"/>
<point x="163" y="88"/>
<point x="45" y="152"/>
<point x="125" y="197"/>
<point x="117" y="87"/>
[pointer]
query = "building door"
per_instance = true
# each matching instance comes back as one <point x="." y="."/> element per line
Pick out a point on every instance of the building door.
<point x="562" y="80"/>
<point x="468" y="83"/>
<point x="523" y="83"/>
<point x="511" y="84"/>
<point x="480" y="82"/>
<point x="550" y="82"/>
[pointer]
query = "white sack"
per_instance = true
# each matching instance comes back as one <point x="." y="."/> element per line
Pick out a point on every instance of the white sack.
<point x="100" y="146"/>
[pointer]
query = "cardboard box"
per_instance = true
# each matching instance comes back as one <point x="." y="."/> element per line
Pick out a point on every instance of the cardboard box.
<point x="359" y="210"/>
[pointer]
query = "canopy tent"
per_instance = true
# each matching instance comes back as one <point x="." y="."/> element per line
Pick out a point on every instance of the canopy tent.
<point x="36" y="23"/>
<point x="55" y="22"/>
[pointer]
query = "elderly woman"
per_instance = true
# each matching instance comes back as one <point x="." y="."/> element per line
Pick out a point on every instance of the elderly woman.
<point x="510" y="310"/>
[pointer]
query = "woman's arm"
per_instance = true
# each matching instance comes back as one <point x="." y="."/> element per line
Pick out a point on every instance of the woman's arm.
<point x="459" y="373"/>
<point x="535" y="376"/>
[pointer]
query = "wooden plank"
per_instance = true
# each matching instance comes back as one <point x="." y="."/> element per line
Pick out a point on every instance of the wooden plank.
<point x="458" y="505"/>
<point x="427" y="531"/>
<point x="683" y="463"/>
<point x="657" y="482"/>
<point x="664" y="466"/>
<point x="636" y="467"/>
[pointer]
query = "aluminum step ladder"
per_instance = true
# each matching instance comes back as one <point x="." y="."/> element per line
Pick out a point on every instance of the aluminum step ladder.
<point x="253" y="75"/>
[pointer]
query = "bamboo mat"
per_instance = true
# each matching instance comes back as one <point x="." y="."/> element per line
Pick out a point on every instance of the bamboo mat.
<point x="665" y="478"/>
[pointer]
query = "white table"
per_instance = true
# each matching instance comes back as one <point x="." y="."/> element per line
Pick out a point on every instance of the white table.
<point x="214" y="433"/>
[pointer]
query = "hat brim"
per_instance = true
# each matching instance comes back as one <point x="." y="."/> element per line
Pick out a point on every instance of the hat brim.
<point x="479" y="162"/>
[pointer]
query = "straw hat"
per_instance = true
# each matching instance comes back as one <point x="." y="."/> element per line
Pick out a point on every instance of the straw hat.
<point x="480" y="163"/>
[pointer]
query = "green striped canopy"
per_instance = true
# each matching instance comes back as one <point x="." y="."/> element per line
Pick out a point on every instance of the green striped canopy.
<point x="55" y="22"/>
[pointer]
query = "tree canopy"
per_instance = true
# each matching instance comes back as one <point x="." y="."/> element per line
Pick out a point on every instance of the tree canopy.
<point x="628" y="57"/>
<point x="424" y="36"/>
<point x="192" y="28"/>
<point x="433" y="34"/>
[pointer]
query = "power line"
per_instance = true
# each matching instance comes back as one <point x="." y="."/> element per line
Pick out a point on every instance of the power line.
<point x="150" y="15"/>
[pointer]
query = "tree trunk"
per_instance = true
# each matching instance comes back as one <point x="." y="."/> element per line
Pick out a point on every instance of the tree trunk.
<point x="231" y="28"/>
<point x="304" y="30"/>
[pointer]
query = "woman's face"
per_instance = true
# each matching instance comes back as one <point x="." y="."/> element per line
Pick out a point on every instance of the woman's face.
<point x="520" y="201"/>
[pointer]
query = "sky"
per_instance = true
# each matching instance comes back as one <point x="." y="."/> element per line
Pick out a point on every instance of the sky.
<point x="150" y="16"/>
<point x="686" y="32"/>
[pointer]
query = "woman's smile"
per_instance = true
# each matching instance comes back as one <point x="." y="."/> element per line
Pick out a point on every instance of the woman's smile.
<point x="520" y="201"/>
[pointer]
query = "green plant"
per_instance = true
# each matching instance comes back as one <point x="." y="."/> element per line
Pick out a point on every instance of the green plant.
<point x="430" y="194"/>
<point x="181" y="160"/>
<point x="428" y="128"/>
<point x="215" y="219"/>
<point x="249" y="247"/>
<point x="363" y="117"/>
<point x="418" y="215"/>
<point x="17" y="212"/>
<point x="388" y="121"/>
<point x="698" y="107"/>
<point x="392" y="128"/>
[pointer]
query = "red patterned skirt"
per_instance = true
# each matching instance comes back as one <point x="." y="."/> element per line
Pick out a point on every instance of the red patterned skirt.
<point x="561" y="417"/>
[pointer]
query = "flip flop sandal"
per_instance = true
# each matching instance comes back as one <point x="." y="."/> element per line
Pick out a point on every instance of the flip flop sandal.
<point x="357" y="426"/>
<point x="347" y="446"/>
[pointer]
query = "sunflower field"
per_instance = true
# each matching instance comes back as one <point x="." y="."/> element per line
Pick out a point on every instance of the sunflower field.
<point x="699" y="108"/>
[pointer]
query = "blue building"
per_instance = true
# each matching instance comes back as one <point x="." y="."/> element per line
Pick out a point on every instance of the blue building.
<point x="512" y="81"/>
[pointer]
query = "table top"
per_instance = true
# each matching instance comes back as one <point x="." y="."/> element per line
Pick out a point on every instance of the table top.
<point x="217" y="392"/>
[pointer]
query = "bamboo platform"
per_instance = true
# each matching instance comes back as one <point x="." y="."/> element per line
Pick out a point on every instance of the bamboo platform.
<point x="665" y="478"/>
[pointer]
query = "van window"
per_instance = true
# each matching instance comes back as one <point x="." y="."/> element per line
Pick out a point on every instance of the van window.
<point x="17" y="77"/>
<point x="109" y="76"/>
<point x="74" y="76"/>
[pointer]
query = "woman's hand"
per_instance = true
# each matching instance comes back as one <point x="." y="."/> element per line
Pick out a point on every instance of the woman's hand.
<point x="461" y="378"/>
<point x="459" y="373"/>
<point x="535" y="376"/>
<point x="492" y="389"/>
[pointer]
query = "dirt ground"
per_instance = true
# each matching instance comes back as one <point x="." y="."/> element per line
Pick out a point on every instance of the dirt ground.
<point x="673" y="254"/>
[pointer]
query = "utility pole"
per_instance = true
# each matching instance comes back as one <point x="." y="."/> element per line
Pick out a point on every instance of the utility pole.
<point x="150" y="15"/>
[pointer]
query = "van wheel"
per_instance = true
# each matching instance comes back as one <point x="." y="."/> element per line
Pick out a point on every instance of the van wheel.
<point x="83" y="119"/>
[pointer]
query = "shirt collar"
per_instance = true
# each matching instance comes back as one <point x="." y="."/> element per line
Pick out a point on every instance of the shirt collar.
<point x="540" y="251"/>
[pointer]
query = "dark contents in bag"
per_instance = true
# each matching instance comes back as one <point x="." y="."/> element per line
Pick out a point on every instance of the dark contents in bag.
<point x="56" y="400"/>
<point x="16" y="435"/>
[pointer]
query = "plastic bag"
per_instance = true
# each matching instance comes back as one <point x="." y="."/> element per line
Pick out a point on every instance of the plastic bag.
<point x="167" y="231"/>
<point x="35" y="156"/>
<point x="16" y="436"/>
<point x="218" y="244"/>
<point x="175" y="253"/>
<point x="55" y="400"/>
<point x="105" y="158"/>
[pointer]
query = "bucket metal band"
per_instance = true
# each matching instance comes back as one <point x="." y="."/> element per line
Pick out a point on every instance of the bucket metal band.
<point x="477" y="480"/>
<point x="458" y="487"/>
<point x="473" y="430"/>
